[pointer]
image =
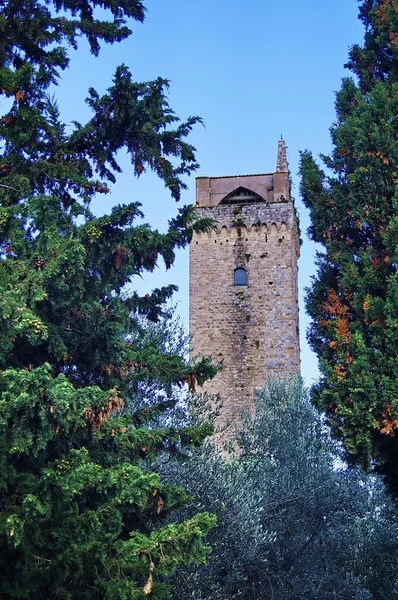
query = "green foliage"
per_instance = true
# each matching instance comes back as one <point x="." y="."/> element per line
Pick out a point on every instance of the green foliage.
<point x="81" y="513"/>
<point x="294" y="522"/>
<point x="353" y="301"/>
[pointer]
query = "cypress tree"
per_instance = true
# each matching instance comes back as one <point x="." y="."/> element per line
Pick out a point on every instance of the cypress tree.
<point x="353" y="301"/>
<point x="81" y="513"/>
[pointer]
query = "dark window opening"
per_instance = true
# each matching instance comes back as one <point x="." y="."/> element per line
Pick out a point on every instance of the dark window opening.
<point x="240" y="276"/>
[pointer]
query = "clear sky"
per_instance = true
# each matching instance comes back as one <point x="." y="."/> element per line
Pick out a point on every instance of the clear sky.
<point x="252" y="70"/>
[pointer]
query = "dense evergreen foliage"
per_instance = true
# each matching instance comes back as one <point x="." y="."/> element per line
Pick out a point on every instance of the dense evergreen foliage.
<point x="354" y="212"/>
<point x="80" y="512"/>
<point x="293" y="522"/>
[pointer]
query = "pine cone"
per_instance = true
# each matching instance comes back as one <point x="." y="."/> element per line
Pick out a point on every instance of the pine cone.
<point x="39" y="263"/>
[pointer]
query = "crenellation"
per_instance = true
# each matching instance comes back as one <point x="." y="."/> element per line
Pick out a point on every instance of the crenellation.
<point x="251" y="216"/>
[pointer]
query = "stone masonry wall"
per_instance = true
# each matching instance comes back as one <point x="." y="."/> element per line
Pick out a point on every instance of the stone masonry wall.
<point x="253" y="329"/>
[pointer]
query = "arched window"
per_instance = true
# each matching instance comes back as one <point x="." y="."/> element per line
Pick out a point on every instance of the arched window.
<point x="240" y="276"/>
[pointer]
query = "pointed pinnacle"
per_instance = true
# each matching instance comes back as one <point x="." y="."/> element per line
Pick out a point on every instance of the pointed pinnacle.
<point x="281" y="165"/>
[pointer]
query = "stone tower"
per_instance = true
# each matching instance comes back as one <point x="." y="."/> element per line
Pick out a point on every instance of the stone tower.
<point x="243" y="283"/>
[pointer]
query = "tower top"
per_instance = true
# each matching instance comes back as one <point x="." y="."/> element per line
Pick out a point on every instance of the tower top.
<point x="281" y="163"/>
<point x="267" y="188"/>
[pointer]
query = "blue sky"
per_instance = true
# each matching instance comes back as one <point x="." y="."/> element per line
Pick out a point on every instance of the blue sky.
<point x="252" y="71"/>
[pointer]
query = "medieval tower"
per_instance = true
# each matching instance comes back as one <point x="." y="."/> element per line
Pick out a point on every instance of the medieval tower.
<point x="243" y="283"/>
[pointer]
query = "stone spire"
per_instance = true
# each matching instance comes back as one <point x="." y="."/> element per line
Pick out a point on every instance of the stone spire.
<point x="281" y="164"/>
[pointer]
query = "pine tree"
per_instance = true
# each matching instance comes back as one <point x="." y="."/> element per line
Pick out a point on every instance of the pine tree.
<point x="353" y="301"/>
<point x="81" y="513"/>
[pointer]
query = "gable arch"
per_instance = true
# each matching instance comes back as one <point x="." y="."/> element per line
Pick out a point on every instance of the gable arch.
<point x="224" y="230"/>
<point x="254" y="228"/>
<point x="273" y="228"/>
<point x="242" y="195"/>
